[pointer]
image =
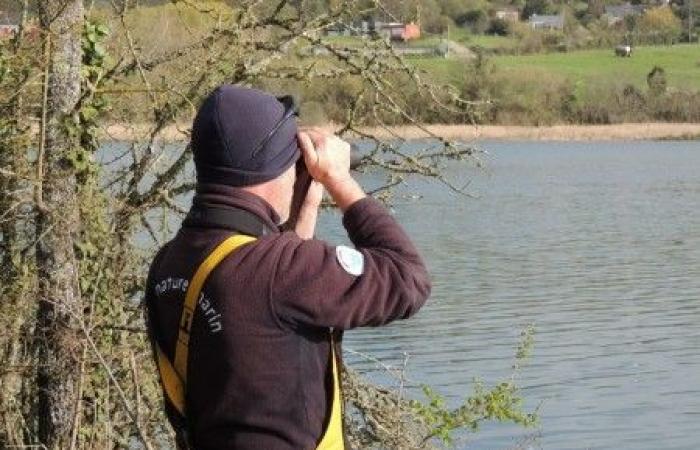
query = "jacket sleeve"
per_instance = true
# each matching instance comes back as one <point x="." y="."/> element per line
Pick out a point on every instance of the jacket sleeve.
<point x="382" y="280"/>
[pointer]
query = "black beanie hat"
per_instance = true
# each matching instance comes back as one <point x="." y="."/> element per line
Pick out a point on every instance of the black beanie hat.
<point x="239" y="137"/>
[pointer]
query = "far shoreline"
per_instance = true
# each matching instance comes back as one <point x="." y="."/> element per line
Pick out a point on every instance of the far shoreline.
<point x="613" y="132"/>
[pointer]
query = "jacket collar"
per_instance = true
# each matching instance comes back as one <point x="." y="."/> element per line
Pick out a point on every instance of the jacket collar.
<point x="223" y="197"/>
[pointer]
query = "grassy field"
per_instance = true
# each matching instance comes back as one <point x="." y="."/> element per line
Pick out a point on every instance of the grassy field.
<point x="590" y="67"/>
<point x="681" y="63"/>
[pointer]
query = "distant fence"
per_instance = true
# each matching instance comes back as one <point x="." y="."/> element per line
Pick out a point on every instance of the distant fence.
<point x="402" y="49"/>
<point x="428" y="50"/>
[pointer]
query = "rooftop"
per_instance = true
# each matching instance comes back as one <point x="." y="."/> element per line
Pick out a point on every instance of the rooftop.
<point x="626" y="9"/>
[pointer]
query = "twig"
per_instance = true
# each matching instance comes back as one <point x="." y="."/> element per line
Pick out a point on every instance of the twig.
<point x="113" y="379"/>
<point x="42" y="136"/>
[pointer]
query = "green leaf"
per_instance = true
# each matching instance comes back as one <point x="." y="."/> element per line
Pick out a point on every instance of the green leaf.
<point x="88" y="113"/>
<point x="102" y="29"/>
<point x="100" y="51"/>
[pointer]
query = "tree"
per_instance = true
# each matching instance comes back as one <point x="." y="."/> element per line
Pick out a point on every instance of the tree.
<point x="536" y="7"/>
<point x="476" y="19"/>
<point x="660" y="25"/>
<point x="689" y="13"/>
<point x="499" y="26"/>
<point x="454" y="9"/>
<point x="596" y="8"/>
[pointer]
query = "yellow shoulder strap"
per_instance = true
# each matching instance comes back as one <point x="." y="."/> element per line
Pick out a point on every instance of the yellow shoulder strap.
<point x="192" y="295"/>
<point x="333" y="435"/>
<point x="175" y="376"/>
<point x="172" y="384"/>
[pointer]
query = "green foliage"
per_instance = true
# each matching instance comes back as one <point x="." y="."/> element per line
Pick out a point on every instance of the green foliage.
<point x="536" y="7"/>
<point x="475" y="19"/>
<point x="4" y="67"/>
<point x="659" y="25"/>
<point x="499" y="27"/>
<point x="502" y="403"/>
<point x="83" y="127"/>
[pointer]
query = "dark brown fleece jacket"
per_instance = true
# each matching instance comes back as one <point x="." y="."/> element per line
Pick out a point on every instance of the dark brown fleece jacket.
<point x="259" y="373"/>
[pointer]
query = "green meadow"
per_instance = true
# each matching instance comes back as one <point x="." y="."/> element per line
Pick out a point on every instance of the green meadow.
<point x="681" y="63"/>
<point x="589" y="67"/>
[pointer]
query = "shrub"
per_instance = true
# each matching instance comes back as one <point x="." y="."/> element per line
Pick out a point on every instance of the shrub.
<point x="659" y="26"/>
<point x="475" y="19"/>
<point x="656" y="80"/>
<point x="499" y="27"/>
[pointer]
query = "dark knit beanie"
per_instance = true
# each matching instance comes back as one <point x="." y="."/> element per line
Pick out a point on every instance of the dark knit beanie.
<point x="243" y="136"/>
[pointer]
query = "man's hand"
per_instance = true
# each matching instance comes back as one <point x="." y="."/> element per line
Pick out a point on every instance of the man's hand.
<point x="327" y="159"/>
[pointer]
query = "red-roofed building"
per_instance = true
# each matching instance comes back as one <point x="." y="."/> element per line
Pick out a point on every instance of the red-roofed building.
<point x="402" y="31"/>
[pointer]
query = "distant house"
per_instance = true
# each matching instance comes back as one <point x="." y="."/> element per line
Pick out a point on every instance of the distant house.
<point x="507" y="14"/>
<point x="7" y="31"/>
<point x="8" y="25"/>
<point x="397" y="31"/>
<point x="543" y="22"/>
<point x="617" y="13"/>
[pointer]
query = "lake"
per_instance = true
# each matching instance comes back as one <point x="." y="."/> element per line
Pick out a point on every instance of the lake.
<point x="595" y="243"/>
<point x="598" y="245"/>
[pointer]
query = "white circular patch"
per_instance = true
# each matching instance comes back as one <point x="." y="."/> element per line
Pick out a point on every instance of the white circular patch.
<point x="350" y="259"/>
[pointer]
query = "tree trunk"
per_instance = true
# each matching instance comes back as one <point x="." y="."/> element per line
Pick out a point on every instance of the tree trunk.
<point x="58" y="224"/>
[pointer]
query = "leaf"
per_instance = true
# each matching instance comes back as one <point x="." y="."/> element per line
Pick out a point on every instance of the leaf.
<point x="102" y="29"/>
<point x="100" y="51"/>
<point x="88" y="113"/>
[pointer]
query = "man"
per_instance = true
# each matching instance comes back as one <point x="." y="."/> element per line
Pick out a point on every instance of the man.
<point x="252" y="365"/>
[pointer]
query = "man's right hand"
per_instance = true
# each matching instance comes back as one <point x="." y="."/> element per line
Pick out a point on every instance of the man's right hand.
<point x="327" y="158"/>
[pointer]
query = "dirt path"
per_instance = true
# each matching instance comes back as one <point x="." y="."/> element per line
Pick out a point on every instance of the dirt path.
<point x="626" y="131"/>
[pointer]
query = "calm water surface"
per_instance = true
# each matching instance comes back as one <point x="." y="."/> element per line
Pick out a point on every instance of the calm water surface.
<point x="598" y="245"/>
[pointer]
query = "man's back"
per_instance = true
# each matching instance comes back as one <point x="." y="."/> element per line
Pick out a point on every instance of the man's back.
<point x="259" y="372"/>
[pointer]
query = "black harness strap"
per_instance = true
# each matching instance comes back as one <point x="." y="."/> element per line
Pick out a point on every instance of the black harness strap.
<point x="235" y="219"/>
